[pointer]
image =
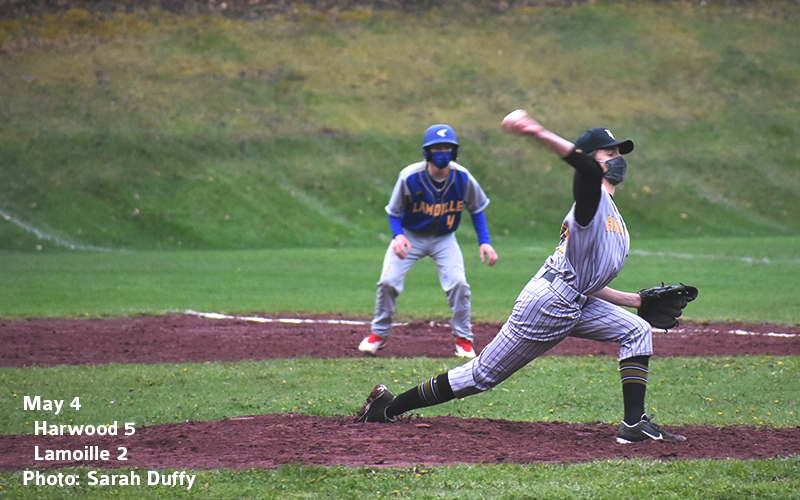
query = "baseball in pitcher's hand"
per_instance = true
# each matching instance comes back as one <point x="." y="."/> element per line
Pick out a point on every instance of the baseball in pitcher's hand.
<point x="401" y="246"/>
<point x="520" y="122"/>
<point x="487" y="251"/>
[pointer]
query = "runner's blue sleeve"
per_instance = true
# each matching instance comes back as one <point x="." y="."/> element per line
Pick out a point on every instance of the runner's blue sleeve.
<point x="479" y="221"/>
<point x="397" y="228"/>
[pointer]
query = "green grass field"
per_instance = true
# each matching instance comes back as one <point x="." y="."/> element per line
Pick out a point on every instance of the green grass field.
<point x="742" y="279"/>
<point x="719" y="391"/>
<point x="154" y="163"/>
<point x="629" y="479"/>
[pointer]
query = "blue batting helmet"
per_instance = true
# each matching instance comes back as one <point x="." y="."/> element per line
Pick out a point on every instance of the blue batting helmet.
<point x="439" y="134"/>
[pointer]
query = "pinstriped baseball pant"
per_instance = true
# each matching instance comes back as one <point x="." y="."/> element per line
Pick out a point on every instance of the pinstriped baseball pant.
<point x="542" y="318"/>
<point x="446" y="253"/>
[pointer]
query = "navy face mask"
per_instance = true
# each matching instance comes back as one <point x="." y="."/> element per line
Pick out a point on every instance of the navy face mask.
<point x="441" y="158"/>
<point x="616" y="170"/>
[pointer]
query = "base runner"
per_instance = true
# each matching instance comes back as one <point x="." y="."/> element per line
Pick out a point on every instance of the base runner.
<point x="424" y="213"/>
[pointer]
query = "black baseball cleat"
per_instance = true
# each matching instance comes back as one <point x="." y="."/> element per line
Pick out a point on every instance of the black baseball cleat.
<point x="374" y="410"/>
<point x="645" y="430"/>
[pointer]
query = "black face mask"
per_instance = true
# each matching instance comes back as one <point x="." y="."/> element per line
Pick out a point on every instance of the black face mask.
<point x="616" y="170"/>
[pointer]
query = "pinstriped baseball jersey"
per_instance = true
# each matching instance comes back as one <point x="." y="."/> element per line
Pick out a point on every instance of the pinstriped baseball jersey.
<point x="547" y="311"/>
<point x="589" y="258"/>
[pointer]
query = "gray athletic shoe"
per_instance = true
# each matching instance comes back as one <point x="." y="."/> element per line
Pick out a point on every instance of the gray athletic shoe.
<point x="645" y="430"/>
<point x="374" y="410"/>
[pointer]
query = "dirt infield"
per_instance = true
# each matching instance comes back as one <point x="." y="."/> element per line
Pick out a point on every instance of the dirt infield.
<point x="268" y="441"/>
<point x="182" y="338"/>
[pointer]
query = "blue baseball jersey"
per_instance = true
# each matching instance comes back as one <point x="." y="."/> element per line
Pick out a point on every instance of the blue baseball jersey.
<point x="425" y="207"/>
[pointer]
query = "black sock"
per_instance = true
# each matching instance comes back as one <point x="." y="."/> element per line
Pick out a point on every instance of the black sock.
<point x="633" y="372"/>
<point x="431" y="392"/>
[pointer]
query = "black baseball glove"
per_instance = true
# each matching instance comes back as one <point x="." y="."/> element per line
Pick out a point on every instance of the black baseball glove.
<point x="663" y="305"/>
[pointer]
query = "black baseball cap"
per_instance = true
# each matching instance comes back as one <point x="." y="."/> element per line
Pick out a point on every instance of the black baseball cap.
<point x="601" y="138"/>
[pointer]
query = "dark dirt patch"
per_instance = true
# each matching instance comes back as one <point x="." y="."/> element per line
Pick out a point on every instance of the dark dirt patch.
<point x="183" y="338"/>
<point x="261" y="9"/>
<point x="268" y="441"/>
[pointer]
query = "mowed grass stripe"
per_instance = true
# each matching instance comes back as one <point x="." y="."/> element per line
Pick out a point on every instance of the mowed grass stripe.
<point x="777" y="478"/>
<point x="748" y="279"/>
<point x="749" y="390"/>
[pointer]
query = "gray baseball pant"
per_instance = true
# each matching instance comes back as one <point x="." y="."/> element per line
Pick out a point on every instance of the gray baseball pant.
<point x="542" y="317"/>
<point x="446" y="253"/>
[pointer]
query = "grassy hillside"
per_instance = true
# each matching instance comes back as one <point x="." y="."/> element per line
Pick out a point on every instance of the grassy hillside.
<point x="152" y="131"/>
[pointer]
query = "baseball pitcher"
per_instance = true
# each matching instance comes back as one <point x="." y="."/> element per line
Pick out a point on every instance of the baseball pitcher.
<point x="568" y="296"/>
